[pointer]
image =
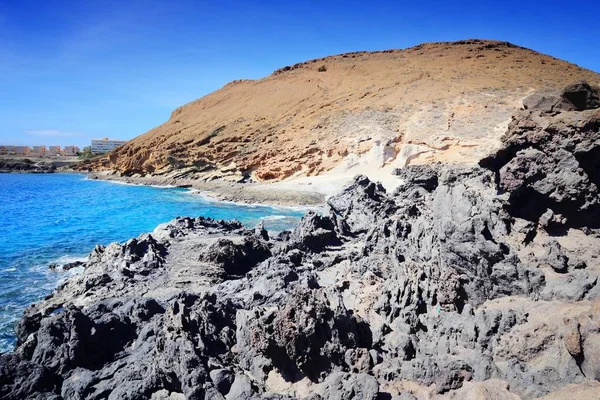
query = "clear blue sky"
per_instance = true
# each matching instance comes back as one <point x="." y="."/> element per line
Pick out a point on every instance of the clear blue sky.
<point x="73" y="70"/>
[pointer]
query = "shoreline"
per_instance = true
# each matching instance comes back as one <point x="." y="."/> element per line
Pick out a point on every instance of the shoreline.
<point x="32" y="172"/>
<point x="52" y="269"/>
<point x="33" y="165"/>
<point x="196" y="192"/>
<point x="223" y="191"/>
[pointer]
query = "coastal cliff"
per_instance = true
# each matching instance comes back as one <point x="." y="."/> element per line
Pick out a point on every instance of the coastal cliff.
<point x="347" y="114"/>
<point x="467" y="281"/>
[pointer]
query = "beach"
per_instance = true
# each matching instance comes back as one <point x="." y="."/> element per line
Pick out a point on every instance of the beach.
<point x="243" y="193"/>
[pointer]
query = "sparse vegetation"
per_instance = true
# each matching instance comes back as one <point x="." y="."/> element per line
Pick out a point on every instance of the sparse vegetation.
<point x="87" y="154"/>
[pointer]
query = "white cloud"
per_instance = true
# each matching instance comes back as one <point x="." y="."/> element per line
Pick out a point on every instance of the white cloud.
<point x="50" y="133"/>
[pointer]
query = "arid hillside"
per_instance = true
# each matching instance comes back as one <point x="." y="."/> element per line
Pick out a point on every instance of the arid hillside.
<point x="433" y="102"/>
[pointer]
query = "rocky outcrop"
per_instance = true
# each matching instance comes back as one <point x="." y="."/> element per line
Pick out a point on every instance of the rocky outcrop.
<point x="25" y="166"/>
<point x="456" y="285"/>
<point x="550" y="161"/>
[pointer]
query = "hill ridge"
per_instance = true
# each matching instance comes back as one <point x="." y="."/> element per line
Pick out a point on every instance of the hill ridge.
<point x="349" y="113"/>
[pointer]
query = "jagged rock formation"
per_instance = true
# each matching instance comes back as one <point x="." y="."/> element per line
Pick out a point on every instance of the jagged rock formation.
<point x="432" y="102"/>
<point x="25" y="166"/>
<point x="454" y="286"/>
<point x="550" y="160"/>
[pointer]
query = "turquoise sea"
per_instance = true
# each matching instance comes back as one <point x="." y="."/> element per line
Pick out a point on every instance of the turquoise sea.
<point x="59" y="218"/>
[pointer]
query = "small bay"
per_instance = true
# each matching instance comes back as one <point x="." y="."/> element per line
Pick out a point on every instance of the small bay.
<point x="58" y="218"/>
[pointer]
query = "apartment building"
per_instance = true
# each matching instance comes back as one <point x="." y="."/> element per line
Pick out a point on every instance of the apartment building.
<point x="22" y="150"/>
<point x="15" y="150"/>
<point x="70" y="151"/>
<point x="40" y="150"/>
<point x="54" y="150"/>
<point x="105" y="145"/>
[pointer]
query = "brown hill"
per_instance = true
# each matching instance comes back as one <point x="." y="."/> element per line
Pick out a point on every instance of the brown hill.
<point x="435" y="101"/>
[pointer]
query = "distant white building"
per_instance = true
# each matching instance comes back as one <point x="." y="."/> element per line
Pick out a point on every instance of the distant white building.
<point x="105" y="145"/>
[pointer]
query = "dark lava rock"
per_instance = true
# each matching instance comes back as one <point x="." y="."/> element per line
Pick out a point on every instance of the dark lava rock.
<point x="74" y="264"/>
<point x="575" y="97"/>
<point x="314" y="232"/>
<point x="309" y="336"/>
<point x="425" y="176"/>
<point x="582" y="95"/>
<point x="237" y="259"/>
<point x="22" y="379"/>
<point x="25" y="166"/>
<point x="555" y="258"/>
<point x="222" y="379"/>
<point x="552" y="161"/>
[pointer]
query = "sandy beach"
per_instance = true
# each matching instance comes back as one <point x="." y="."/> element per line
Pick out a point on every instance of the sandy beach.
<point x="246" y="193"/>
<point x="297" y="190"/>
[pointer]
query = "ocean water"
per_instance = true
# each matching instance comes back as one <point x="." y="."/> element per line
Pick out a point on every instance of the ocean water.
<point x="59" y="218"/>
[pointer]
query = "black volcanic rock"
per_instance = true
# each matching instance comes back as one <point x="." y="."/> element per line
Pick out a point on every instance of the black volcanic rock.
<point x="21" y="379"/>
<point x="463" y="282"/>
<point x="25" y="166"/>
<point x="552" y="161"/>
<point x="237" y="258"/>
<point x="582" y="95"/>
<point x="314" y="233"/>
<point x="575" y="97"/>
<point x="308" y="337"/>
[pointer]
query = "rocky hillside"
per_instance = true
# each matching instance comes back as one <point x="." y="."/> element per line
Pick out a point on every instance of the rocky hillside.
<point x="432" y="102"/>
<point x="476" y="282"/>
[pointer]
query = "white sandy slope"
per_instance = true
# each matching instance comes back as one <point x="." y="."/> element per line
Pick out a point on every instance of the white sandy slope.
<point x="377" y="164"/>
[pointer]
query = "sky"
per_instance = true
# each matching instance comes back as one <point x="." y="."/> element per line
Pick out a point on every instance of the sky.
<point x="75" y="70"/>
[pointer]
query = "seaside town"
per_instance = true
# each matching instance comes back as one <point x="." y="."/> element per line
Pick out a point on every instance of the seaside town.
<point x="98" y="146"/>
<point x="40" y="151"/>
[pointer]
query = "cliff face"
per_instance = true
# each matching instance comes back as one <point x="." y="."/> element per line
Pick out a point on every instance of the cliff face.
<point x="475" y="282"/>
<point x="433" y="102"/>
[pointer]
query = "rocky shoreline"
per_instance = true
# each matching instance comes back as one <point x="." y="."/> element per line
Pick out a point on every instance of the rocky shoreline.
<point x="235" y="192"/>
<point x="463" y="283"/>
<point x="25" y="166"/>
